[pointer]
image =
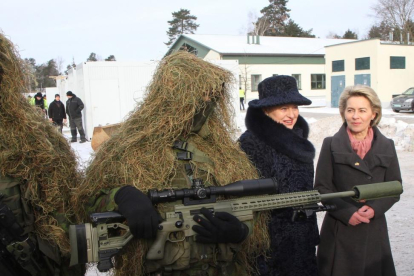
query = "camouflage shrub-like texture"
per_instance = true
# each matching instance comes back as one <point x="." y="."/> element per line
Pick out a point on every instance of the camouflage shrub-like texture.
<point x="141" y="153"/>
<point x="32" y="150"/>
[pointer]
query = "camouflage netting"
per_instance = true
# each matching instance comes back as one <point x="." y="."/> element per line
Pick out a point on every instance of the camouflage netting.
<point x="141" y="154"/>
<point x="32" y="150"/>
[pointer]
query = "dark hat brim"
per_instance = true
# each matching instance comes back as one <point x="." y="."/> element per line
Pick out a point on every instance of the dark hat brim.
<point x="294" y="98"/>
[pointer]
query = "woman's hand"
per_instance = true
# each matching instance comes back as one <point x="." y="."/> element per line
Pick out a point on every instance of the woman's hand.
<point x="357" y="219"/>
<point x="366" y="212"/>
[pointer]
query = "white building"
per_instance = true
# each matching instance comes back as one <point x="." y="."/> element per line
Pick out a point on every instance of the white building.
<point x="261" y="57"/>
<point x="110" y="90"/>
<point x="386" y="67"/>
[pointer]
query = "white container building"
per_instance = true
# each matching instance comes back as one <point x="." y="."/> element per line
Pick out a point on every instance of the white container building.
<point x="111" y="90"/>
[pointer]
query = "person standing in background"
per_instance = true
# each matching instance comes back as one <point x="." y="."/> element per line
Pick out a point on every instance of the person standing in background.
<point x="39" y="102"/>
<point x="57" y="113"/>
<point x="45" y="103"/>
<point x="241" y="95"/>
<point x="74" y="107"/>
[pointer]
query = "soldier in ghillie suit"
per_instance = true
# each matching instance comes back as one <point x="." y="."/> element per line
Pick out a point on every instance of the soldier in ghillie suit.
<point x="188" y="101"/>
<point x="37" y="174"/>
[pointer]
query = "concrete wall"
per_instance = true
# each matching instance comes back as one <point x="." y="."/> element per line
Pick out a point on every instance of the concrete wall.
<point x="212" y="55"/>
<point x="394" y="81"/>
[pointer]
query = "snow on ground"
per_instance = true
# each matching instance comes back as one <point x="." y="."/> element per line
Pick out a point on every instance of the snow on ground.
<point x="325" y="122"/>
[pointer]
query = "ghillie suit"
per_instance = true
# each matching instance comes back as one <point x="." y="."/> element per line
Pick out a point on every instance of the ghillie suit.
<point x="38" y="170"/>
<point x="184" y="90"/>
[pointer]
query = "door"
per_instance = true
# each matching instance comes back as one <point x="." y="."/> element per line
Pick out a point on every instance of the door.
<point x="364" y="79"/>
<point x="337" y="86"/>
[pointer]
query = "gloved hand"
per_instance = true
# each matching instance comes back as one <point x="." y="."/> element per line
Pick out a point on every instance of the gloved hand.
<point x="137" y="208"/>
<point x="220" y="228"/>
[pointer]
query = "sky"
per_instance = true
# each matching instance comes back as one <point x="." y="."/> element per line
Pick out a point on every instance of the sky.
<point x="135" y="30"/>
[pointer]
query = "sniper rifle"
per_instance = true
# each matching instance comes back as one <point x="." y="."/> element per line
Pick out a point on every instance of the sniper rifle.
<point x="96" y="241"/>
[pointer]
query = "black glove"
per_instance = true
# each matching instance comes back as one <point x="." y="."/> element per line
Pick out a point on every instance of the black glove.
<point x="137" y="208"/>
<point x="220" y="228"/>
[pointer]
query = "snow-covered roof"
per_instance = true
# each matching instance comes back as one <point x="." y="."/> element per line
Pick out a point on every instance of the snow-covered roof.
<point x="269" y="45"/>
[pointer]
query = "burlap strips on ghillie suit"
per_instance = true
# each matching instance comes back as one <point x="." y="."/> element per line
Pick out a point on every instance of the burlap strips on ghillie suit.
<point x="32" y="150"/>
<point x="141" y="153"/>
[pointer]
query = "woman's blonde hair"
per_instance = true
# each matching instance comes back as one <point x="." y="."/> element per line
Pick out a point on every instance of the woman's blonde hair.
<point x="366" y="92"/>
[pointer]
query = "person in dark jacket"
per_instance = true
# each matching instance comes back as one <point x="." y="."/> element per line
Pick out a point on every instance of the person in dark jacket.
<point x="57" y="113"/>
<point x="39" y="102"/>
<point x="74" y="106"/>
<point x="354" y="237"/>
<point x="276" y="142"/>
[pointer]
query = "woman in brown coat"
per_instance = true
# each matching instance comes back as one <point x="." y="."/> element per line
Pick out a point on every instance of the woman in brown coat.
<point x="354" y="237"/>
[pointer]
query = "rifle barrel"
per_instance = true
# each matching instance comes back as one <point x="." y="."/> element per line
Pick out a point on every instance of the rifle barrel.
<point x="337" y="195"/>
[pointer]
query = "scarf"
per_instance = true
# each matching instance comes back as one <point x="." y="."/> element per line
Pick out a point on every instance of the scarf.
<point x="290" y="142"/>
<point x="361" y="147"/>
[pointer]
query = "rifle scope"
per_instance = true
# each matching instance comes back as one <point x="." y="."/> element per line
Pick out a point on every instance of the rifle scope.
<point x="249" y="187"/>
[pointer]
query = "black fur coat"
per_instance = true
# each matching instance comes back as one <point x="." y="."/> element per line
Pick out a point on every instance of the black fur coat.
<point x="286" y="154"/>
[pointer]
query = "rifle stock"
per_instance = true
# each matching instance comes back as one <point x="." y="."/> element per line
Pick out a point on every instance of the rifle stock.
<point x="177" y="226"/>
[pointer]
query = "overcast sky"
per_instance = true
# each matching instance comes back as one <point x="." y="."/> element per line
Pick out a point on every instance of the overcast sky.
<point x="135" y="30"/>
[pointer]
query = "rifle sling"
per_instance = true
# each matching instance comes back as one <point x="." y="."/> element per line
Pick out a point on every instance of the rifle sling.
<point x="187" y="151"/>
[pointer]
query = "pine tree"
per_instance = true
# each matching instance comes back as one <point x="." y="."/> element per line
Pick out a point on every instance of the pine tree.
<point x="182" y="23"/>
<point x="350" y="35"/>
<point x="294" y="30"/>
<point x="276" y="14"/>
<point x="44" y="71"/>
<point x="110" y="58"/>
<point x="92" y="57"/>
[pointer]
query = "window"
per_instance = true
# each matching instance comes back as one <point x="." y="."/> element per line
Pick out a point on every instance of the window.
<point x="255" y="82"/>
<point x="397" y="62"/>
<point x="362" y="63"/>
<point x="410" y="91"/>
<point x="338" y="65"/>
<point x="189" y="48"/>
<point x="317" y="81"/>
<point x="298" y="80"/>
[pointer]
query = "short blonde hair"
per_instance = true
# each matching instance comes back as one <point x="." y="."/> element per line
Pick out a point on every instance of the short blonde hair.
<point x="366" y="92"/>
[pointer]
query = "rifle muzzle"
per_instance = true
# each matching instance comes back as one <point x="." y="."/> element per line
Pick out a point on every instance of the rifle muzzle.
<point x="378" y="190"/>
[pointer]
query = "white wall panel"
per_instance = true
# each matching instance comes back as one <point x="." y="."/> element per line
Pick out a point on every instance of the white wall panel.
<point x="111" y="90"/>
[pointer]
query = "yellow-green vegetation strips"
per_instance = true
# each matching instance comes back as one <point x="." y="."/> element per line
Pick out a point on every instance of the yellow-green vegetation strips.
<point x="141" y="153"/>
<point x="32" y="150"/>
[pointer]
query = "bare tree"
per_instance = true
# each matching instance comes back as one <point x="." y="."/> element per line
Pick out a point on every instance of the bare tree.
<point x="262" y="25"/>
<point x="257" y="25"/>
<point x="333" y="35"/>
<point x="396" y="13"/>
<point x="29" y="70"/>
<point x="245" y="78"/>
<point x="59" y="64"/>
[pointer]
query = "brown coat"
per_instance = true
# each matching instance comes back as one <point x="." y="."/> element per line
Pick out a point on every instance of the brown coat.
<point x="362" y="250"/>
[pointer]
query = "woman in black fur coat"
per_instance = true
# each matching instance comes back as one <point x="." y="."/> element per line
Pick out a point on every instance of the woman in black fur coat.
<point x="276" y="142"/>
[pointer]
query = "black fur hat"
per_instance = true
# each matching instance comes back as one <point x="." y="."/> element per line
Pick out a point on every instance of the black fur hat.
<point x="38" y="94"/>
<point x="279" y="90"/>
<point x="69" y="93"/>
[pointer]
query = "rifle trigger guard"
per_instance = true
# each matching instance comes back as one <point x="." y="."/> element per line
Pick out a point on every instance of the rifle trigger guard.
<point x="177" y="236"/>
